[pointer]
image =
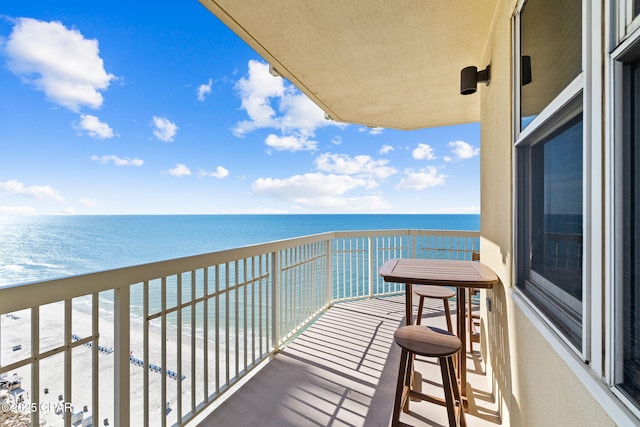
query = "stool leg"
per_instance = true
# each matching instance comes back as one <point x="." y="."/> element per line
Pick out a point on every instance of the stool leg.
<point x="402" y="372"/>
<point x="448" y="389"/>
<point x="447" y="312"/>
<point x="456" y="391"/>
<point x="408" y="381"/>
<point x="420" y="307"/>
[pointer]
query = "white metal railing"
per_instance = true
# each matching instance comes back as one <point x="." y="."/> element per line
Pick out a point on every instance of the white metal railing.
<point x="155" y="344"/>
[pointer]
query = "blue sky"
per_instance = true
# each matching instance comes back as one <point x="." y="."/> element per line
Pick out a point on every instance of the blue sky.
<point x="117" y="108"/>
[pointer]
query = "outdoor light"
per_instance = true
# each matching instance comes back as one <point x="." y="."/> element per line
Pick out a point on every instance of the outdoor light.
<point x="469" y="78"/>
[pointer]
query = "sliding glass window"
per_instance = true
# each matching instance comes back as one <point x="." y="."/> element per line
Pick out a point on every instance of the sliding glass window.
<point x="551" y="182"/>
<point x="629" y="295"/>
<point x="550" y="163"/>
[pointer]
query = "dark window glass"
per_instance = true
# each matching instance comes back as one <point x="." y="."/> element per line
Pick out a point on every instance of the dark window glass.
<point x="636" y="8"/>
<point x="551" y="49"/>
<point x="550" y="227"/>
<point x="631" y="232"/>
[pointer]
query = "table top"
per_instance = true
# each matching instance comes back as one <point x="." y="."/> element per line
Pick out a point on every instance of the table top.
<point x="470" y="274"/>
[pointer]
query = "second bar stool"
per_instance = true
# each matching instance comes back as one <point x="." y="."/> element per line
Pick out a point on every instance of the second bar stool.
<point x="429" y="342"/>
<point x="435" y="292"/>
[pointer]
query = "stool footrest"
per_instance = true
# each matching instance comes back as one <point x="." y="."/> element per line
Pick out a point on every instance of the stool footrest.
<point x="428" y="398"/>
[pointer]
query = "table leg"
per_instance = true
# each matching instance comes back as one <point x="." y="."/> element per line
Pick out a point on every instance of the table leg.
<point x="408" y="304"/>
<point x="462" y="334"/>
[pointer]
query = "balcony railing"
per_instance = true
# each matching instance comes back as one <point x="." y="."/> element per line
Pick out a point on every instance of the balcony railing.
<point x="156" y="344"/>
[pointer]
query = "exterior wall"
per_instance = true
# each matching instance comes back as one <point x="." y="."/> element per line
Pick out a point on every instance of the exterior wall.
<point x="534" y="384"/>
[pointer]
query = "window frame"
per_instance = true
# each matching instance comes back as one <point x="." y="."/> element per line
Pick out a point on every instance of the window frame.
<point x="562" y="109"/>
<point x="614" y="360"/>
<point x="607" y="34"/>
<point x="626" y="23"/>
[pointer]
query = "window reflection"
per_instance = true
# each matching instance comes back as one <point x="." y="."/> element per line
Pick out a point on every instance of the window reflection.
<point x="631" y="233"/>
<point x="557" y="210"/>
<point x="551" y="38"/>
<point x="551" y="266"/>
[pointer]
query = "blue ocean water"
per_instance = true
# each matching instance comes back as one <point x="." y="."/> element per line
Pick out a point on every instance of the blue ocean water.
<point x="44" y="247"/>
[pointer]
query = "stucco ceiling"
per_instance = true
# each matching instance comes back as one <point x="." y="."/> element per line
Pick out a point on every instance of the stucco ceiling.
<point x="380" y="63"/>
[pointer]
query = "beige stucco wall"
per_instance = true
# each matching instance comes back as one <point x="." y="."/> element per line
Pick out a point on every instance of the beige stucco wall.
<point x="533" y="384"/>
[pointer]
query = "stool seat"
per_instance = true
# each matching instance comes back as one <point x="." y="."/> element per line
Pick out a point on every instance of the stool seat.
<point x="427" y="341"/>
<point x="436" y="292"/>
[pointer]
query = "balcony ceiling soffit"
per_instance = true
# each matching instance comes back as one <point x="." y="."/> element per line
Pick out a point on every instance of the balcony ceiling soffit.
<point x="382" y="63"/>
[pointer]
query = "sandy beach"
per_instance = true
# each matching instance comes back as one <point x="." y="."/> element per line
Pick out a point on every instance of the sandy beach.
<point x="15" y="344"/>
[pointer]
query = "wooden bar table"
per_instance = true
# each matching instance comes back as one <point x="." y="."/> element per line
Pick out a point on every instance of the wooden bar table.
<point x="453" y="273"/>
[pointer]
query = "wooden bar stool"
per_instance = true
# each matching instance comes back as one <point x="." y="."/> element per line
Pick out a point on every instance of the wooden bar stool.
<point x="435" y="292"/>
<point x="429" y="342"/>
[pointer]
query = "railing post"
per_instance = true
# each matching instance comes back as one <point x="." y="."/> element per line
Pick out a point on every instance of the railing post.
<point x="95" y="366"/>
<point x="35" y="366"/>
<point x="370" y="261"/>
<point x="275" y="300"/>
<point x="328" y="288"/>
<point x="68" y="375"/>
<point x="121" y="363"/>
<point x="414" y="245"/>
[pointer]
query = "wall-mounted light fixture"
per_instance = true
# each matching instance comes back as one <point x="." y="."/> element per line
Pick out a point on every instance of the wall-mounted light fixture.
<point x="469" y="78"/>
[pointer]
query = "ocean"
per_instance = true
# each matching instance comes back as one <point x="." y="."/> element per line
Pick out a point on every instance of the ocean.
<point x="38" y="248"/>
<point x="34" y="248"/>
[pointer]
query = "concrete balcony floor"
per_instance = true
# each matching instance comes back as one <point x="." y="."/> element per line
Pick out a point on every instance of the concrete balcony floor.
<point x="342" y="371"/>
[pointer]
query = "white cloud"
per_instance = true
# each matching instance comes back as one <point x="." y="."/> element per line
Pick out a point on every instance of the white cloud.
<point x="180" y="170"/>
<point x="204" y="89"/>
<point x="165" y="130"/>
<point x="344" y="204"/>
<point x="300" y="114"/>
<point x="361" y="166"/>
<point x="94" y="127"/>
<point x="17" y="210"/>
<point x="386" y="149"/>
<point x="424" y="178"/>
<point x="118" y="161"/>
<point x="220" y="173"/>
<point x="375" y="130"/>
<point x="290" y="143"/>
<point x="319" y="192"/>
<point x="88" y="203"/>
<point x="463" y="150"/>
<point x="307" y="185"/>
<point x="255" y="92"/>
<point x="423" y="152"/>
<point x="58" y="61"/>
<point x="34" y="191"/>
<point x="69" y="210"/>
<point x="270" y="103"/>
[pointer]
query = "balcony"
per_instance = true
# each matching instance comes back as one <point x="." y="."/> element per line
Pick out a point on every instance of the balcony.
<point x="292" y="332"/>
